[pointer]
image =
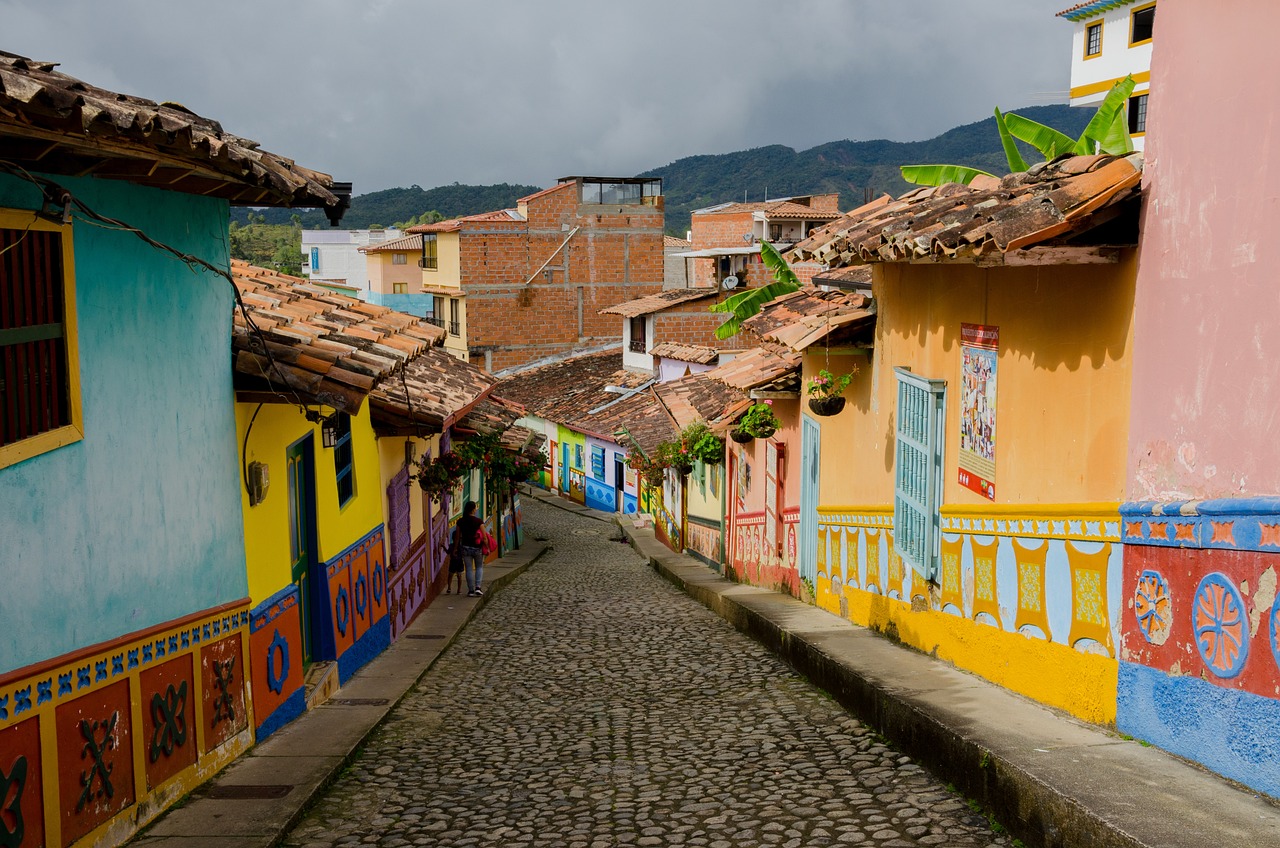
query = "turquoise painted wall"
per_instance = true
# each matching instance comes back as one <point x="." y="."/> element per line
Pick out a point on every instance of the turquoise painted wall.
<point x="140" y="522"/>
<point x="414" y="303"/>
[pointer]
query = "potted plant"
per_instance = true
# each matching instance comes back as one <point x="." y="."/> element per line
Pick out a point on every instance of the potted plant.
<point x="703" y="444"/>
<point x="650" y="470"/>
<point x="438" y="477"/>
<point x="759" y="421"/>
<point x="675" y="455"/>
<point x="826" y="392"/>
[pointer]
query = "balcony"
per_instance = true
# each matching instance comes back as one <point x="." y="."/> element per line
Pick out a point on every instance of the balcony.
<point x="455" y="328"/>
<point x="439" y="322"/>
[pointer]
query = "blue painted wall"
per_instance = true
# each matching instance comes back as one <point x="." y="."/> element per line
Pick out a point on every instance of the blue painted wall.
<point x="1230" y="731"/>
<point x="413" y="303"/>
<point x="140" y="522"/>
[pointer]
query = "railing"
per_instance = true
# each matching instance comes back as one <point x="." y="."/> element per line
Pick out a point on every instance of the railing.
<point x="455" y="328"/>
<point x="637" y="346"/>
<point x="439" y="322"/>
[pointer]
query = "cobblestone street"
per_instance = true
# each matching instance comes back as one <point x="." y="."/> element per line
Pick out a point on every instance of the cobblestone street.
<point x="592" y="704"/>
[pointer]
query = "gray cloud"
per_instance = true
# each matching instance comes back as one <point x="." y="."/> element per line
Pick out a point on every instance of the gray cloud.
<point x="400" y="92"/>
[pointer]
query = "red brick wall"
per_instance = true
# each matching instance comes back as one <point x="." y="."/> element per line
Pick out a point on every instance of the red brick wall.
<point x="616" y="256"/>
<point x="722" y="229"/>
<point x="692" y="323"/>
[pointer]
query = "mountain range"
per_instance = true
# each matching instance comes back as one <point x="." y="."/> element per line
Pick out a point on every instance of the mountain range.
<point x="858" y="170"/>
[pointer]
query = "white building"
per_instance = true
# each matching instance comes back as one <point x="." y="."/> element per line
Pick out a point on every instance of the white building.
<point x="333" y="257"/>
<point x="1112" y="40"/>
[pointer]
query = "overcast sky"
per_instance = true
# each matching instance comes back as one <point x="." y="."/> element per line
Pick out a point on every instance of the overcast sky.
<point x="390" y="93"/>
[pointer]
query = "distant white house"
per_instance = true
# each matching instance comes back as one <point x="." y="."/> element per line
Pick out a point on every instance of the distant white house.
<point x="1112" y="39"/>
<point x="333" y="257"/>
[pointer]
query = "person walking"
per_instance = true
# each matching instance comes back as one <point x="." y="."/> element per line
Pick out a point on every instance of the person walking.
<point x="471" y="543"/>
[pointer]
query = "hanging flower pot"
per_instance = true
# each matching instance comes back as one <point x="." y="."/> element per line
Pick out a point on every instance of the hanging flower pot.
<point x="683" y="468"/>
<point x="742" y="437"/>
<point x="826" y="405"/>
<point x="764" y="432"/>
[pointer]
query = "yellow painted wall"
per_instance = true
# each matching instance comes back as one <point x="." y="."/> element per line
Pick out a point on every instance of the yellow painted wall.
<point x="266" y="525"/>
<point x="391" y="454"/>
<point x="383" y="273"/>
<point x="1062" y="404"/>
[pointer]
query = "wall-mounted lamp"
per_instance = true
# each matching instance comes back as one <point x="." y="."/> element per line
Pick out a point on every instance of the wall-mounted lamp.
<point x="329" y="431"/>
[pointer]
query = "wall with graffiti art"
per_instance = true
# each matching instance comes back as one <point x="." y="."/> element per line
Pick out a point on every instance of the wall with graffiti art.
<point x="1028" y="598"/>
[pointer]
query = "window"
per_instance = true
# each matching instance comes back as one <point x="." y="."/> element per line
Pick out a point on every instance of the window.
<point x="39" y="366"/>
<point x="343" y="460"/>
<point x="429" y="260"/>
<point x="1093" y="40"/>
<point x="917" y="474"/>
<point x="619" y="192"/>
<point x="1138" y="114"/>
<point x="399" y="259"/>
<point x="1141" y="24"/>
<point x="400" y="288"/>
<point x="454" y="323"/>
<point x="638" y="333"/>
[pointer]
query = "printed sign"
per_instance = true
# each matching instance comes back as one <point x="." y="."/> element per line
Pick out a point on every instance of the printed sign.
<point x="979" y="352"/>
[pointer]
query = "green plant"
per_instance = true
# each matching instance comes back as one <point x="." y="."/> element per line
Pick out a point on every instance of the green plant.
<point x="437" y="477"/>
<point x="651" y="469"/>
<point x="675" y="455"/>
<point x="759" y="420"/>
<point x="702" y="444"/>
<point x="825" y="385"/>
<point x="1106" y="132"/>
<point x="747" y="303"/>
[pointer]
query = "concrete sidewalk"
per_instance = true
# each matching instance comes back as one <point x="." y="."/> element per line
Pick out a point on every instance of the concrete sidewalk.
<point x="1050" y="779"/>
<point x="256" y="799"/>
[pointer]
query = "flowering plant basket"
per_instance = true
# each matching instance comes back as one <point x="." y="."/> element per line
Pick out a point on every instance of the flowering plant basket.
<point x="759" y="420"/>
<point x="702" y="444"/>
<point x="825" y="384"/>
<point x="438" y="477"/>
<point x="675" y="455"/>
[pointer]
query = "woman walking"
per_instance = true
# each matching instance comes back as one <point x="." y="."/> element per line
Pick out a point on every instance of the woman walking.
<point x="470" y="542"/>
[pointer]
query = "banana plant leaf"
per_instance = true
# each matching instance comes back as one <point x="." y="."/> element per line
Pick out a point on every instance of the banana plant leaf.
<point x="1108" y="129"/>
<point x="747" y="303"/>
<point x="773" y="260"/>
<point x="1047" y="140"/>
<point x="936" y="175"/>
<point x="1016" y="162"/>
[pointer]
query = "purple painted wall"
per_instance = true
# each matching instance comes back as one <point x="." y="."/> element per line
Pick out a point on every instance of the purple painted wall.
<point x="1206" y="374"/>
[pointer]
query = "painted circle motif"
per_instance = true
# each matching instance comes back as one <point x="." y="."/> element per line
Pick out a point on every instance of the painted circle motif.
<point x="275" y="681"/>
<point x="1152" y="607"/>
<point x="1222" y="633"/>
<point x="342" y="610"/>
<point x="362" y="595"/>
<point x="377" y="583"/>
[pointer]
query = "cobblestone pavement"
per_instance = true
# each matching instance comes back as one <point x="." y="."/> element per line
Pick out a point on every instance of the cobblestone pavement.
<point x="592" y="704"/>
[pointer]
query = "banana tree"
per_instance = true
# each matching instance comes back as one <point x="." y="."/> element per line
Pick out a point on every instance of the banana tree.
<point x="744" y="304"/>
<point x="1106" y="132"/>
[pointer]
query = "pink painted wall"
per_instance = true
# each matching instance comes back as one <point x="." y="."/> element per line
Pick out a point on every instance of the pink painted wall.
<point x="1206" y="376"/>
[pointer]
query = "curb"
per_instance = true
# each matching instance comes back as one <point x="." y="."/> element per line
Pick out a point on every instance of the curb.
<point x="1050" y="779"/>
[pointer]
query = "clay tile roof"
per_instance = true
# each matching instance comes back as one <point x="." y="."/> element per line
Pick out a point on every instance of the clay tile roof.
<point x="699" y="397"/>
<point x="57" y="124"/>
<point x="431" y="393"/>
<point x="1042" y="207"/>
<point x="573" y="392"/>
<point x="849" y="276"/>
<point x="492" y="415"/>
<point x="658" y="302"/>
<point x="808" y="302"/>
<point x="757" y="367"/>
<point x="324" y="347"/>
<point x="542" y="193"/>
<point x="785" y="209"/>
<point x="696" y="354"/>
<point x="449" y="226"/>
<point x="672" y="241"/>
<point x="402" y="243"/>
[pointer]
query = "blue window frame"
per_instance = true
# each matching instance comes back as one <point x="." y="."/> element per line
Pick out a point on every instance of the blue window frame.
<point x="344" y="461"/>
<point x="917" y="475"/>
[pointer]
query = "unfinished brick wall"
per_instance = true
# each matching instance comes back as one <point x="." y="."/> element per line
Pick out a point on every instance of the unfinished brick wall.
<point x="693" y="323"/>
<point x="616" y="255"/>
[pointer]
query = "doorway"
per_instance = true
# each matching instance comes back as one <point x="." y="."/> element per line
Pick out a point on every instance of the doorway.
<point x="301" y="470"/>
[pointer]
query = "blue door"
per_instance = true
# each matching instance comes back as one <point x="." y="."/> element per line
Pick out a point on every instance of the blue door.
<point x="810" y="444"/>
<point x="564" y="468"/>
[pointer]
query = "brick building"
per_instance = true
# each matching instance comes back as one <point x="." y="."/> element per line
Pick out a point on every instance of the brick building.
<point x="726" y="238"/>
<point x="524" y="284"/>
<point x="674" y="316"/>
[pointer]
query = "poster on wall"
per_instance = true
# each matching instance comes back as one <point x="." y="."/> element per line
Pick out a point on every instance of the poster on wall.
<point x="979" y="351"/>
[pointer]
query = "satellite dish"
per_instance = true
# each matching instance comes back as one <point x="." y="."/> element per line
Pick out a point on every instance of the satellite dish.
<point x="729" y="282"/>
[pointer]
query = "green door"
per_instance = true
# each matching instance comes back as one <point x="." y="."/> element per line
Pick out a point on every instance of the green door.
<point x="300" y="462"/>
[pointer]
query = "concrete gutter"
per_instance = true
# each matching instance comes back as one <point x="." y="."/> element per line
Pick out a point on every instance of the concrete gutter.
<point x="257" y="799"/>
<point x="1049" y="779"/>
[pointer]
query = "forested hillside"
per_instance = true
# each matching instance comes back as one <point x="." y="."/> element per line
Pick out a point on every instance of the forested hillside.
<point x="852" y="168"/>
<point x="393" y="205"/>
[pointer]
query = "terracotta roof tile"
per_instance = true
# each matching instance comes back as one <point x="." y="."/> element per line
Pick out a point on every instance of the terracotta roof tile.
<point x="158" y="144"/>
<point x="757" y="366"/>
<point x="672" y="241"/>
<point x="809" y="301"/>
<point x="1041" y="207"/>
<point x="335" y="350"/>
<point x="660" y="301"/>
<point x="403" y="243"/>
<point x="696" y="354"/>
<point x="700" y="397"/>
